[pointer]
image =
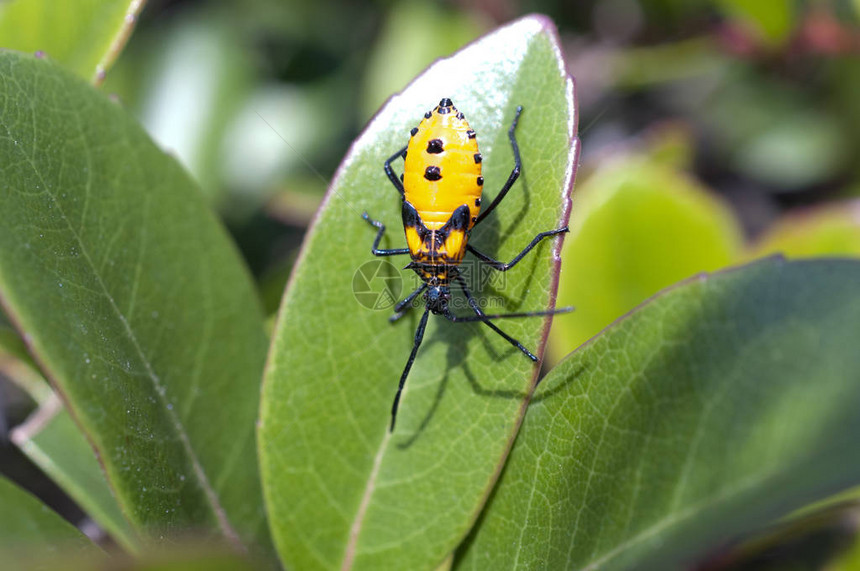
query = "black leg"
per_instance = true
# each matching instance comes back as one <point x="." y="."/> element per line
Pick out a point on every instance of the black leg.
<point x="419" y="335"/>
<point x="491" y="325"/>
<point x="390" y="172"/>
<point x="402" y="307"/>
<point x="503" y="267"/>
<point x="518" y="165"/>
<point x="487" y="317"/>
<point x="376" y="251"/>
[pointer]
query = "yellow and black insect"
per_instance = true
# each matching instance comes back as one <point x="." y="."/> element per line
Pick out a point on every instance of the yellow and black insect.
<point x="441" y="188"/>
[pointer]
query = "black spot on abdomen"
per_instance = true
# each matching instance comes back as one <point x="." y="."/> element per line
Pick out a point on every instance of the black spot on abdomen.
<point x="432" y="173"/>
<point x="435" y="146"/>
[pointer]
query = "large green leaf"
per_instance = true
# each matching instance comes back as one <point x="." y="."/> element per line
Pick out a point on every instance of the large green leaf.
<point x="638" y="227"/>
<point x="721" y="404"/>
<point x="85" y="35"/>
<point x="29" y="528"/>
<point x="134" y="303"/>
<point x="341" y="491"/>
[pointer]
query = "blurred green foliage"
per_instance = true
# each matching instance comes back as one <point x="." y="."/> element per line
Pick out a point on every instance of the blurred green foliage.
<point x="639" y="227"/>
<point x="260" y="102"/>
<point x="831" y="229"/>
<point x="771" y="21"/>
<point x="402" y="48"/>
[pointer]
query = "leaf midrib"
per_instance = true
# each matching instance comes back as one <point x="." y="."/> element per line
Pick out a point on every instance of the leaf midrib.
<point x="370" y="487"/>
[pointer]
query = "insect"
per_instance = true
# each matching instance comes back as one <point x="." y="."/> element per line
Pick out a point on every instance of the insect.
<point x="441" y="188"/>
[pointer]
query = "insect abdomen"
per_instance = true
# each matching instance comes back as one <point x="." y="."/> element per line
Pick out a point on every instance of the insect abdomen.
<point x="443" y="167"/>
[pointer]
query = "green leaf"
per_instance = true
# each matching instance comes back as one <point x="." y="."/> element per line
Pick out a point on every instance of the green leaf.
<point x="813" y="538"/>
<point x="29" y="527"/>
<point x="832" y="230"/>
<point x="134" y="303"/>
<point x="52" y="440"/>
<point x="192" y="557"/>
<point x="85" y="36"/>
<point x="21" y="372"/>
<point x="12" y="347"/>
<point x="718" y="406"/>
<point x="639" y="227"/>
<point x="340" y="490"/>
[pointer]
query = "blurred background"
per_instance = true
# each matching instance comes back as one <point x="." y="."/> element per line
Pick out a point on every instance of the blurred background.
<point x="713" y="132"/>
